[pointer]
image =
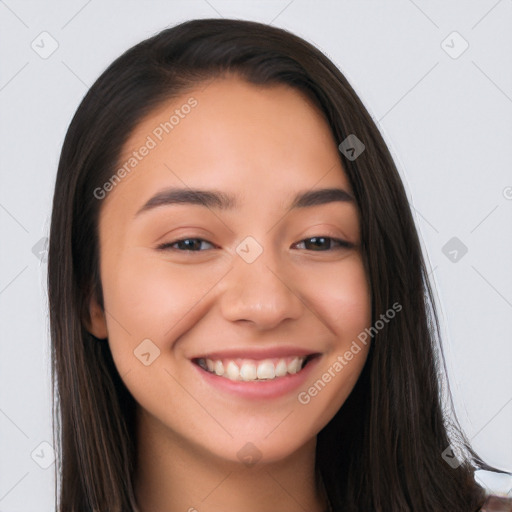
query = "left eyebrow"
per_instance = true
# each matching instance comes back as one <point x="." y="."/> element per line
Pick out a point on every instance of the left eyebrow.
<point x="221" y="201"/>
<point x="321" y="196"/>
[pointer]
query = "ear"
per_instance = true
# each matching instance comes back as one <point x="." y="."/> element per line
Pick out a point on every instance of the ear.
<point x="96" y="324"/>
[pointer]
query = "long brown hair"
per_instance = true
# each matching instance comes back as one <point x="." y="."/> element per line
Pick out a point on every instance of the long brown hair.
<point x="383" y="450"/>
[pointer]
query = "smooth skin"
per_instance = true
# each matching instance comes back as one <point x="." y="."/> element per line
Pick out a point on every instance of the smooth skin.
<point x="263" y="145"/>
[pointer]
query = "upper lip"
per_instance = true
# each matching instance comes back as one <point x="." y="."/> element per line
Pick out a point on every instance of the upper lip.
<point x="252" y="353"/>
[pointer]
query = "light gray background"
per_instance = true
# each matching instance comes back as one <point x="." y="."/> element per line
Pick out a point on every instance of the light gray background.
<point x="447" y="122"/>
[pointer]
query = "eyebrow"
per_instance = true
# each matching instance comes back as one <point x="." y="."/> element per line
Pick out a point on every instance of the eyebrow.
<point x="221" y="201"/>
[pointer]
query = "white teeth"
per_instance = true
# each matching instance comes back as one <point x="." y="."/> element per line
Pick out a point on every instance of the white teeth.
<point x="232" y="371"/>
<point x="294" y="366"/>
<point x="266" y="370"/>
<point x="219" y="367"/>
<point x="246" y="370"/>
<point x="281" y="368"/>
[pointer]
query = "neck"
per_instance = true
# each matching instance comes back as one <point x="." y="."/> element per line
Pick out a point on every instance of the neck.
<point x="175" y="476"/>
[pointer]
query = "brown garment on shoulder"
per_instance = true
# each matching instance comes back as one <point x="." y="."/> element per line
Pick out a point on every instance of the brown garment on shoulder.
<point x="497" y="504"/>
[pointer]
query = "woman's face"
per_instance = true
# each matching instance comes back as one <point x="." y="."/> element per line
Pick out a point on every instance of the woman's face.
<point x="254" y="284"/>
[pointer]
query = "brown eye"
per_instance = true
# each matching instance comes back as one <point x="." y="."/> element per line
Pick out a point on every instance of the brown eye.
<point x="323" y="243"/>
<point x="185" y="244"/>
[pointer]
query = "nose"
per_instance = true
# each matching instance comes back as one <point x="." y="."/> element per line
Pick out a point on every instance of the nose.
<point x="260" y="293"/>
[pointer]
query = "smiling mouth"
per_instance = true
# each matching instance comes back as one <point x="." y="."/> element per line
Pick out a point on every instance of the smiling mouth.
<point x="250" y="370"/>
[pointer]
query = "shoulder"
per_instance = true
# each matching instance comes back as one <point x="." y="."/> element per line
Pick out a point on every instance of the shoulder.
<point x="497" y="485"/>
<point x="497" y="504"/>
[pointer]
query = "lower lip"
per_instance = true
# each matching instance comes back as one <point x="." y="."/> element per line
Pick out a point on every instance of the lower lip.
<point x="260" y="389"/>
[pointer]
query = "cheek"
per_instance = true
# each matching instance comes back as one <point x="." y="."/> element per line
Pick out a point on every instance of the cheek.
<point x="342" y="301"/>
<point x="340" y="294"/>
<point x="147" y="297"/>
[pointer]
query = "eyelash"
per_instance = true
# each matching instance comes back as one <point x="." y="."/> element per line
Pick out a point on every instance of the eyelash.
<point x="342" y="244"/>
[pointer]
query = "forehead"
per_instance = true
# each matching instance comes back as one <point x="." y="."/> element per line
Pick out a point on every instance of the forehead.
<point x="232" y="134"/>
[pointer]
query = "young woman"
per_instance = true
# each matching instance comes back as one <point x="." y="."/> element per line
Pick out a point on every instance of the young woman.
<point x="241" y="316"/>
